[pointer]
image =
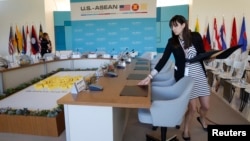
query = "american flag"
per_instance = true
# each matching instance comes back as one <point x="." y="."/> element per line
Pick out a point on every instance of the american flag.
<point x="11" y="46"/>
<point x="125" y="7"/>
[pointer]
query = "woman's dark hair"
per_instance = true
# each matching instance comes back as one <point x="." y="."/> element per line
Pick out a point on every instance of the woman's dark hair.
<point x="186" y="32"/>
<point x="44" y="35"/>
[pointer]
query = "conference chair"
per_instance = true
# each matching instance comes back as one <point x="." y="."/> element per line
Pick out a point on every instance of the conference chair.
<point x="161" y="76"/>
<point x="234" y="76"/>
<point x="168" y="107"/>
<point x="148" y="55"/>
<point x="225" y="71"/>
<point x="49" y="56"/>
<point x="164" y="79"/>
<point x="244" y="99"/>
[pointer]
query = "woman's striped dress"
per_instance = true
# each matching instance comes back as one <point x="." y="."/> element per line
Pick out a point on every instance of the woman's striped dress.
<point x="195" y="70"/>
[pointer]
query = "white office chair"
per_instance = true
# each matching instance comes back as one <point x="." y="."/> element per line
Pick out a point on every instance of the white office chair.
<point x="224" y="72"/>
<point x="230" y="82"/>
<point x="164" y="79"/>
<point x="161" y="76"/>
<point x="148" y="55"/>
<point x="169" y="105"/>
<point x="49" y="56"/>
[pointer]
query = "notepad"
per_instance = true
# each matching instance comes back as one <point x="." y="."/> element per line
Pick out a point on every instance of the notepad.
<point x="136" y="76"/>
<point x="134" y="91"/>
<point x="141" y="68"/>
<point x="141" y="63"/>
<point x="218" y="54"/>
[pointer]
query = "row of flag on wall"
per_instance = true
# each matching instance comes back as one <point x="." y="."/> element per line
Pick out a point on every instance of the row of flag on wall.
<point x="23" y="42"/>
<point x="218" y="41"/>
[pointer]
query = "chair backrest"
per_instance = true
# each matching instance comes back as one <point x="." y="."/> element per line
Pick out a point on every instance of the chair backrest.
<point x="227" y="65"/>
<point x="170" y="104"/>
<point x="238" y="69"/>
<point x="49" y="56"/>
<point x="162" y="76"/>
<point x="148" y="55"/>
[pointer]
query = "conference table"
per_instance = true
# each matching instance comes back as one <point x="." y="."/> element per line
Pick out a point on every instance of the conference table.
<point x="103" y="115"/>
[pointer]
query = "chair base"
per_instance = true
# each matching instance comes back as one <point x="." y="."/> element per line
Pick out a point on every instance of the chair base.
<point x="152" y="138"/>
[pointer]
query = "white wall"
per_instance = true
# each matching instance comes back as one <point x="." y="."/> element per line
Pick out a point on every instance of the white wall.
<point x="21" y="12"/>
<point x="26" y="12"/>
<point x="206" y="10"/>
<point x="18" y="12"/>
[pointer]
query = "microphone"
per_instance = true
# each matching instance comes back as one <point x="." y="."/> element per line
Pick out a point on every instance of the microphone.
<point x="112" y="53"/>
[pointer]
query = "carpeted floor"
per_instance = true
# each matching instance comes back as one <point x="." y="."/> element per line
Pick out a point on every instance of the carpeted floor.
<point x="220" y="113"/>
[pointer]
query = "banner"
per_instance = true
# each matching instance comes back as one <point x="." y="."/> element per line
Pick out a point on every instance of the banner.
<point x="113" y="26"/>
<point x="116" y="9"/>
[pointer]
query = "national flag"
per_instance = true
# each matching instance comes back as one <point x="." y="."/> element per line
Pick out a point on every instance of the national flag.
<point x="11" y="40"/>
<point x="40" y="32"/>
<point x="206" y="40"/>
<point x="24" y="46"/>
<point x="223" y="35"/>
<point x="144" y="6"/>
<point x="28" y="49"/>
<point x="34" y="41"/>
<point x="208" y="35"/>
<point x="19" y="40"/>
<point x="197" y="26"/>
<point x="125" y="7"/>
<point x="216" y="38"/>
<point x="233" y="41"/>
<point x="243" y="36"/>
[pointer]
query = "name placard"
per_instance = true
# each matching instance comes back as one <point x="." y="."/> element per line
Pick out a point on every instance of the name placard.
<point x="78" y="86"/>
<point x="64" y="56"/>
<point x="49" y="58"/>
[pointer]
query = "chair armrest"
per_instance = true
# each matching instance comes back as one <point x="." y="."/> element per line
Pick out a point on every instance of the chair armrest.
<point x="162" y="76"/>
<point x="167" y="82"/>
<point x="172" y="91"/>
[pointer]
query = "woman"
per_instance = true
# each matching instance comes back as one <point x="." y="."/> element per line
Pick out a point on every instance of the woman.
<point x="45" y="44"/>
<point x="185" y="45"/>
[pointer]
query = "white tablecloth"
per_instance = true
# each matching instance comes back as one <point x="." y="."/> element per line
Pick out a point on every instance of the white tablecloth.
<point x="43" y="99"/>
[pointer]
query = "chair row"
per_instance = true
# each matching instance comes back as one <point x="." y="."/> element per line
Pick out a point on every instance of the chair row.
<point x="233" y="75"/>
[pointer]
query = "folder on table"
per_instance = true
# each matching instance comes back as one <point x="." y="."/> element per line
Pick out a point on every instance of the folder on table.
<point x="141" y="68"/>
<point x="141" y="63"/>
<point x="134" y="91"/>
<point x="214" y="54"/>
<point x="133" y="76"/>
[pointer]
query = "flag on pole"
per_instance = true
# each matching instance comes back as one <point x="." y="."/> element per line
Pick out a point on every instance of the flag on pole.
<point x="233" y="41"/>
<point x="34" y="41"/>
<point x="24" y="46"/>
<point x="28" y="47"/>
<point x="223" y="35"/>
<point x="208" y="35"/>
<point x="206" y="39"/>
<point x="11" y="40"/>
<point x="243" y="36"/>
<point x="216" y="37"/>
<point x="197" y="26"/>
<point x="19" y="40"/>
<point x="40" y="32"/>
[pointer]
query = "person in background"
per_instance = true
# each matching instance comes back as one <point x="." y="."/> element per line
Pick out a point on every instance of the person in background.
<point x="46" y="46"/>
<point x="185" y="45"/>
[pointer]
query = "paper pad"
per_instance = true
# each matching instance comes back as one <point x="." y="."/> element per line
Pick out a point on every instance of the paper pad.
<point x="134" y="91"/>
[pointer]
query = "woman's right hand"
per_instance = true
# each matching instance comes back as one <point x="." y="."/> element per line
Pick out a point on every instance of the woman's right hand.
<point x="145" y="81"/>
